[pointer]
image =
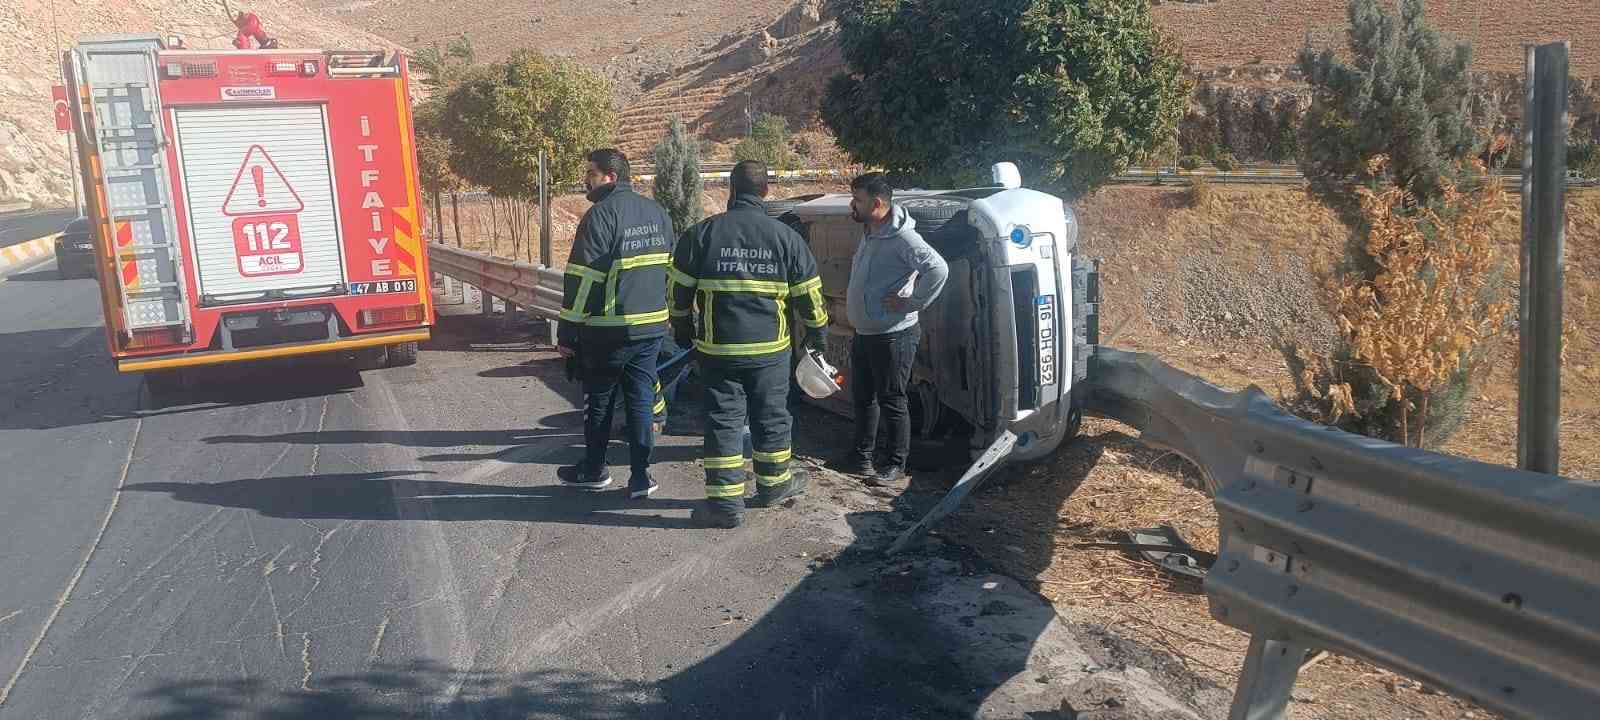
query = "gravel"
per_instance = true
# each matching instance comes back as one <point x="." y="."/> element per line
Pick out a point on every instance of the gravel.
<point x="1209" y="300"/>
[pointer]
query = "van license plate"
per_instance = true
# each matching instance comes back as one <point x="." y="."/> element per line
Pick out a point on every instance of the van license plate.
<point x="1047" y="339"/>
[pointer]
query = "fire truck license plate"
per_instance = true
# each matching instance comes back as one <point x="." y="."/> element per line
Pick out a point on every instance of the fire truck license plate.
<point x="387" y="286"/>
<point x="268" y="245"/>
<point x="1047" y="339"/>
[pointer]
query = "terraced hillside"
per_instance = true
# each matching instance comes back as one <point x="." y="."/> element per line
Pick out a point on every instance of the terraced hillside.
<point x="1243" y="32"/>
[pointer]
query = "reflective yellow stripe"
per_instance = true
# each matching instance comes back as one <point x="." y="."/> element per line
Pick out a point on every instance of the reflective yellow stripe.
<point x="774" y="457"/>
<point x="661" y="406"/>
<point x="770" y="480"/>
<point x="731" y="462"/>
<point x="706" y="323"/>
<point x="761" y="287"/>
<point x="739" y="349"/>
<point x="578" y="314"/>
<point x="641" y="261"/>
<point x="678" y="313"/>
<point x="819" y="313"/>
<point x="783" y="318"/>
<point x="806" y="287"/>
<point x="586" y="273"/>
<point x="680" y="277"/>
<point x="648" y="318"/>
<point x="725" y="491"/>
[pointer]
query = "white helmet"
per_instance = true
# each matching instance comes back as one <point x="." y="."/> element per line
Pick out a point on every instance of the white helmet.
<point x="815" y="375"/>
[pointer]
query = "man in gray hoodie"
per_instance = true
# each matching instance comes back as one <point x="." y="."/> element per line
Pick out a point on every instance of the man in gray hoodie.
<point x="894" y="275"/>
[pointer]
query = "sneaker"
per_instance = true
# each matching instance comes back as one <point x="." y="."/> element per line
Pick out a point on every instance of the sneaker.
<point x="707" y="515"/>
<point x="894" y="475"/>
<point x="641" y="490"/>
<point x="573" y="476"/>
<point x="778" y="494"/>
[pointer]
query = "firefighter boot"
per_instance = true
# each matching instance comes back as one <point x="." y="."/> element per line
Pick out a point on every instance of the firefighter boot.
<point x="774" y="495"/>
<point x="718" y="513"/>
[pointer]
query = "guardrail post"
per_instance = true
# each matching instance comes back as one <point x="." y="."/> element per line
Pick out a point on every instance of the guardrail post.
<point x="1544" y="173"/>
<point x="1267" y="680"/>
<point x="488" y="303"/>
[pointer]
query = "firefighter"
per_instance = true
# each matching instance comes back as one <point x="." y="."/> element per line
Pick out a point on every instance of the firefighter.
<point x="744" y="271"/>
<point x="613" y="319"/>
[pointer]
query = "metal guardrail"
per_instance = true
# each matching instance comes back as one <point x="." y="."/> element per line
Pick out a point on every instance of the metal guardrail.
<point x="1276" y="175"/>
<point x="1477" y="579"/>
<point x="531" y="287"/>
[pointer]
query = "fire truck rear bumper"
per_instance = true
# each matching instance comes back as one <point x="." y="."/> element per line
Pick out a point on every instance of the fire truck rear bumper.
<point x="218" y="357"/>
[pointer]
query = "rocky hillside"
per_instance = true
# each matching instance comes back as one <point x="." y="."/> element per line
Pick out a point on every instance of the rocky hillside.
<point x="33" y="165"/>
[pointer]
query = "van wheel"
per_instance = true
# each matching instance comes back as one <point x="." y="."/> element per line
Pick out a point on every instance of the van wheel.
<point x="402" y="355"/>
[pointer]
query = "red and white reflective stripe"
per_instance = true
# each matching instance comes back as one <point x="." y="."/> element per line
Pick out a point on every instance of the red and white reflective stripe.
<point x="24" y="253"/>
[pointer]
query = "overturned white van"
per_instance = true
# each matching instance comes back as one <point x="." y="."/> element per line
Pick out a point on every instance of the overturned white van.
<point x="1005" y="347"/>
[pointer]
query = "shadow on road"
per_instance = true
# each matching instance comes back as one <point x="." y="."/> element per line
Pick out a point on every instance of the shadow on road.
<point x="393" y="496"/>
<point x="861" y="636"/>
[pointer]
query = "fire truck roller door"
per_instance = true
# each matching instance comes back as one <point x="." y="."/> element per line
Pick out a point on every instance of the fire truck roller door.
<point x="258" y="187"/>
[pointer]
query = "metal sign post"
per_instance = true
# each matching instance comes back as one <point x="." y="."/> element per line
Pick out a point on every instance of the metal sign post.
<point x="1544" y="178"/>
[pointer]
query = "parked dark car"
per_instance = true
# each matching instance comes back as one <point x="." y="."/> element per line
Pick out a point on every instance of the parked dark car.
<point x="75" y="250"/>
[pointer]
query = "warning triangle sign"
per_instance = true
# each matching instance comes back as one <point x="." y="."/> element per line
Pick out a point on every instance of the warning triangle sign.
<point x="259" y="187"/>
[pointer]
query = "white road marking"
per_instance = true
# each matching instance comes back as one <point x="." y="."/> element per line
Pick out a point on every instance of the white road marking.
<point x="61" y="602"/>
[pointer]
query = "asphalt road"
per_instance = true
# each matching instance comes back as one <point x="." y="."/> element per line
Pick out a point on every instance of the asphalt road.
<point x="302" y="541"/>
<point x="23" y="226"/>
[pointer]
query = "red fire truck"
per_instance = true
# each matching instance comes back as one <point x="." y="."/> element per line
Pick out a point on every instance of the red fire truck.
<point x="249" y="204"/>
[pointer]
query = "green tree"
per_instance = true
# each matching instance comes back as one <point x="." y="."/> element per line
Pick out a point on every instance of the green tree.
<point x="1406" y="94"/>
<point x="677" y="185"/>
<point x="434" y="151"/>
<point x="443" y="67"/>
<point x="500" y="117"/>
<point x="1419" y="290"/>
<point x="1073" y="91"/>
<point x="769" y="143"/>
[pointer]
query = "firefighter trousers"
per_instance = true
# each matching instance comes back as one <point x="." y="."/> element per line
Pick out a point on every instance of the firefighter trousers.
<point x="736" y="393"/>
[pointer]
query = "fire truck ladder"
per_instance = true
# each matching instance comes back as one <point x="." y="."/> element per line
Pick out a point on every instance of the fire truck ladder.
<point x="130" y="138"/>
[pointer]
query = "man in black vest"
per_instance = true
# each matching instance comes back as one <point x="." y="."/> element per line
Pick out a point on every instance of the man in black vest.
<point x="614" y="315"/>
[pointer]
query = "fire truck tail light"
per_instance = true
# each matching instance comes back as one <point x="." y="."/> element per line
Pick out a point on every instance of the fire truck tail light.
<point x="284" y="68"/>
<point x="173" y="70"/>
<point x="391" y="315"/>
<point x="308" y="68"/>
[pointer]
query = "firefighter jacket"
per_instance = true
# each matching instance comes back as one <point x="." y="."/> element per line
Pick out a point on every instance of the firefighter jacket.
<point x="615" y="288"/>
<point x="744" y="270"/>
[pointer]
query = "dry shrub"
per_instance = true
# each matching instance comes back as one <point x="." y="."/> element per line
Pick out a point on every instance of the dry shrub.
<point x="1417" y="322"/>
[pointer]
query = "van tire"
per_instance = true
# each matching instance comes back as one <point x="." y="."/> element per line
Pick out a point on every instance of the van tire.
<point x="402" y="355"/>
<point x="932" y="213"/>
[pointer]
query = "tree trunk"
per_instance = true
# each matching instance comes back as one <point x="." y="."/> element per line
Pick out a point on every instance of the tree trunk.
<point x="1422" y="421"/>
<point x="455" y="216"/>
<point x="438" y="217"/>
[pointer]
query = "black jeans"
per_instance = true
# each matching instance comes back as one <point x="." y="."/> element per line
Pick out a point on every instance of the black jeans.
<point x="880" y="369"/>
<point x="631" y="369"/>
